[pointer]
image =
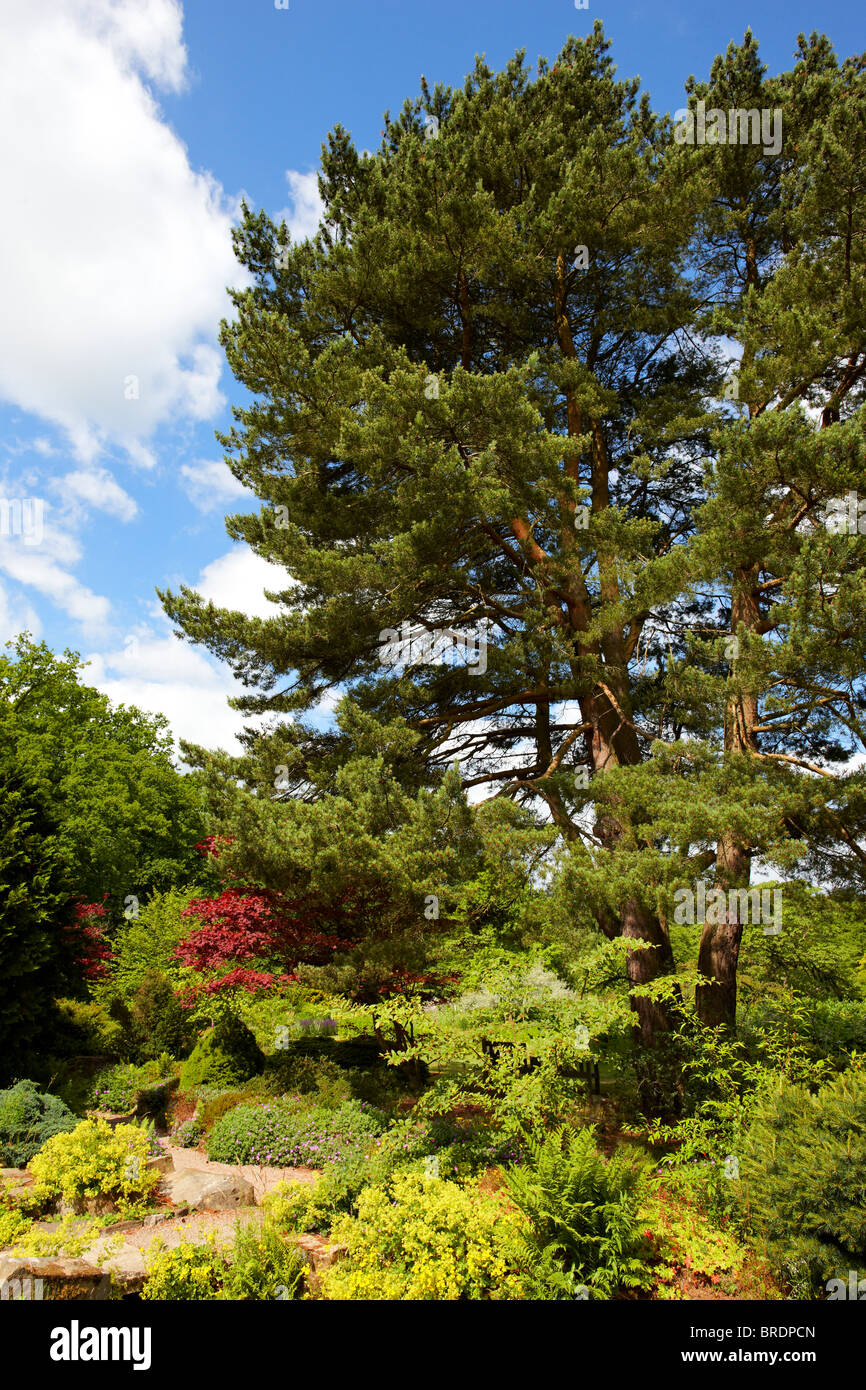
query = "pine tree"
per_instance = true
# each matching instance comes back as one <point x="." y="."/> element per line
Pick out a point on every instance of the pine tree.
<point x="491" y="391"/>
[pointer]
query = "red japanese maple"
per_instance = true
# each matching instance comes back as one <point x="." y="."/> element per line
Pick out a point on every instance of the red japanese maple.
<point x="87" y="939"/>
<point x="238" y="928"/>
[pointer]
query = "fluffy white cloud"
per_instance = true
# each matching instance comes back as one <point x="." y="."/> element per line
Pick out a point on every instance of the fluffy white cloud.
<point x="238" y="580"/>
<point x="17" y="615"/>
<point x="305" y="213"/>
<point x="113" y="268"/>
<point x="209" y="484"/>
<point x="96" y="487"/>
<point x="36" y="568"/>
<point x="163" y="675"/>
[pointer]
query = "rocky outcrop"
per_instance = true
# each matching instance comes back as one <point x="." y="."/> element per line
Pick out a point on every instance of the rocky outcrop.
<point x="55" y="1277"/>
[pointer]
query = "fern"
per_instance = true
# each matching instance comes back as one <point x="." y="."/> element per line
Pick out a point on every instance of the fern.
<point x="582" y="1214"/>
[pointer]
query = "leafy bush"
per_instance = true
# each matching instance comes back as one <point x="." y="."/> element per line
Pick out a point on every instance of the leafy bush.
<point x="583" y="1217"/>
<point x="256" y="1266"/>
<point x="88" y="1029"/>
<point x="297" y="1206"/>
<point x="186" y="1272"/>
<point x="117" y="1088"/>
<point x="225" y="1055"/>
<point x="147" y="943"/>
<point x="284" y="1134"/>
<point x="93" y="1160"/>
<point x="802" y="1177"/>
<point x="420" y="1238"/>
<point x="28" y="1119"/>
<point x="263" y="1266"/>
<point x="188" y="1133"/>
<point x="159" y="1022"/>
<point x="13" y="1226"/>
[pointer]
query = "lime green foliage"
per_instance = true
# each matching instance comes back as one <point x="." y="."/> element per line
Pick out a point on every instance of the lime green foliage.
<point x="257" y="1265"/>
<point x="187" y="1271"/>
<point x="145" y="943"/>
<point x="286" y="1132"/>
<point x="13" y="1226"/>
<point x="720" y="1076"/>
<point x="70" y="1237"/>
<point x="94" y="1160"/>
<point x="298" y="1206"/>
<point x="684" y="1239"/>
<point x="422" y="1238"/>
<point x="802" y="1166"/>
<point x="225" y="1055"/>
<point x="583" y="1217"/>
<point x="28" y="1118"/>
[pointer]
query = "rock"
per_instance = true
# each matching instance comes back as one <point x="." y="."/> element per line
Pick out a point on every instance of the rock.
<point x="17" y="1176"/>
<point x="127" y="1268"/>
<point x="320" y="1253"/>
<point x="163" y="1163"/>
<point x="87" y="1206"/>
<point x="53" y="1277"/>
<point x="156" y="1218"/>
<point x="208" y="1191"/>
<point x="111" y="1117"/>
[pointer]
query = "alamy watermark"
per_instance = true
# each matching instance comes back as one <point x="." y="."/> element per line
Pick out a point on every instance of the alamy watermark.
<point x="845" y="515"/>
<point x="745" y="905"/>
<point x="23" y="516"/>
<point x="854" y="1289"/>
<point x="413" y="645"/>
<point x="735" y="127"/>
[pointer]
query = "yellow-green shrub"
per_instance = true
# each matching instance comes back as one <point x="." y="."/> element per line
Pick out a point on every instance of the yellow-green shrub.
<point x="426" y="1238"/>
<point x="94" y="1160"/>
<point x="188" y="1271"/>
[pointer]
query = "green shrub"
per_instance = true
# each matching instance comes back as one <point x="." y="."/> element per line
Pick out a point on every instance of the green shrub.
<point x="802" y="1178"/>
<point x="159" y="1023"/>
<point x="95" y="1161"/>
<point x="28" y="1118"/>
<point x="314" y="1207"/>
<point x="424" y="1238"/>
<point x="147" y="942"/>
<point x="211" y="1109"/>
<point x="88" y="1029"/>
<point x="118" y="1088"/>
<point x="583" y="1217"/>
<point x="14" y="1226"/>
<point x="257" y="1265"/>
<point x="225" y="1055"/>
<point x="262" y="1266"/>
<point x="186" y="1272"/>
<point x="284" y="1134"/>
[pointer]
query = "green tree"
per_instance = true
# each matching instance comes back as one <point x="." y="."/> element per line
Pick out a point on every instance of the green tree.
<point x="35" y="909"/>
<point x="491" y="391"/>
<point x="127" y="821"/>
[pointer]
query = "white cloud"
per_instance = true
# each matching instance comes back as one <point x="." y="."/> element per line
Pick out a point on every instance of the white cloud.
<point x="113" y="270"/>
<point x="164" y="675"/>
<point x="17" y="615"/>
<point x="305" y="213"/>
<point x="238" y="579"/>
<point x="41" y="572"/>
<point x="210" y="484"/>
<point x="99" y="489"/>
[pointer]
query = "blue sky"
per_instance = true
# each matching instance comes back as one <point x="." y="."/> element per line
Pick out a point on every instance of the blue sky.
<point x="129" y="129"/>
